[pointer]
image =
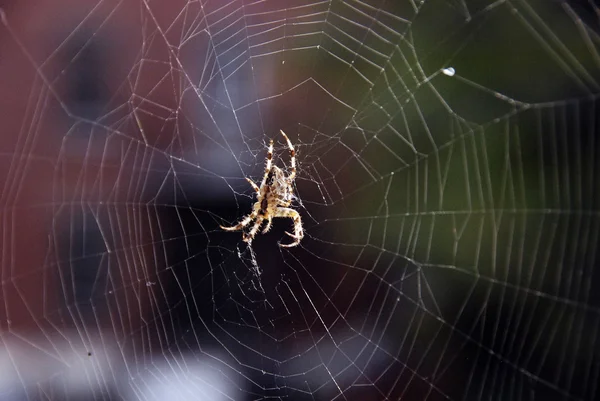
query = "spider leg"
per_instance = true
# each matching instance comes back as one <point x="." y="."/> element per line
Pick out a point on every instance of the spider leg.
<point x="268" y="226"/>
<point x="250" y="236"/>
<point x="256" y="188"/>
<point x="243" y="223"/>
<point x="269" y="163"/>
<point x="298" y="231"/>
<point x="292" y="157"/>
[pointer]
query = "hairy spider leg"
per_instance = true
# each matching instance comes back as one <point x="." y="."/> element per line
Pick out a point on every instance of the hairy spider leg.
<point x="269" y="164"/>
<point x="269" y="224"/>
<point x="292" y="157"/>
<point x="254" y="186"/>
<point x="298" y="232"/>
<point x="244" y="222"/>
<point x="250" y="236"/>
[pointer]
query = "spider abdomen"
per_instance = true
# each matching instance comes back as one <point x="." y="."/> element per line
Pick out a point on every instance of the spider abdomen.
<point x="264" y="204"/>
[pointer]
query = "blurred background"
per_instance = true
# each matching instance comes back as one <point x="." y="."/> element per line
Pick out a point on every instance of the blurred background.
<point x="447" y="182"/>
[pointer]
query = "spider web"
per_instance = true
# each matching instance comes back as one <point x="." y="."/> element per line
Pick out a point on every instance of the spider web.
<point x="446" y="180"/>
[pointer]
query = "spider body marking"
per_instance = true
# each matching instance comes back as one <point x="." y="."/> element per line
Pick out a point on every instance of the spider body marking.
<point x="274" y="196"/>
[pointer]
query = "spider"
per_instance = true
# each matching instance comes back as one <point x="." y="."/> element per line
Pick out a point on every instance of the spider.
<point x="274" y="196"/>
